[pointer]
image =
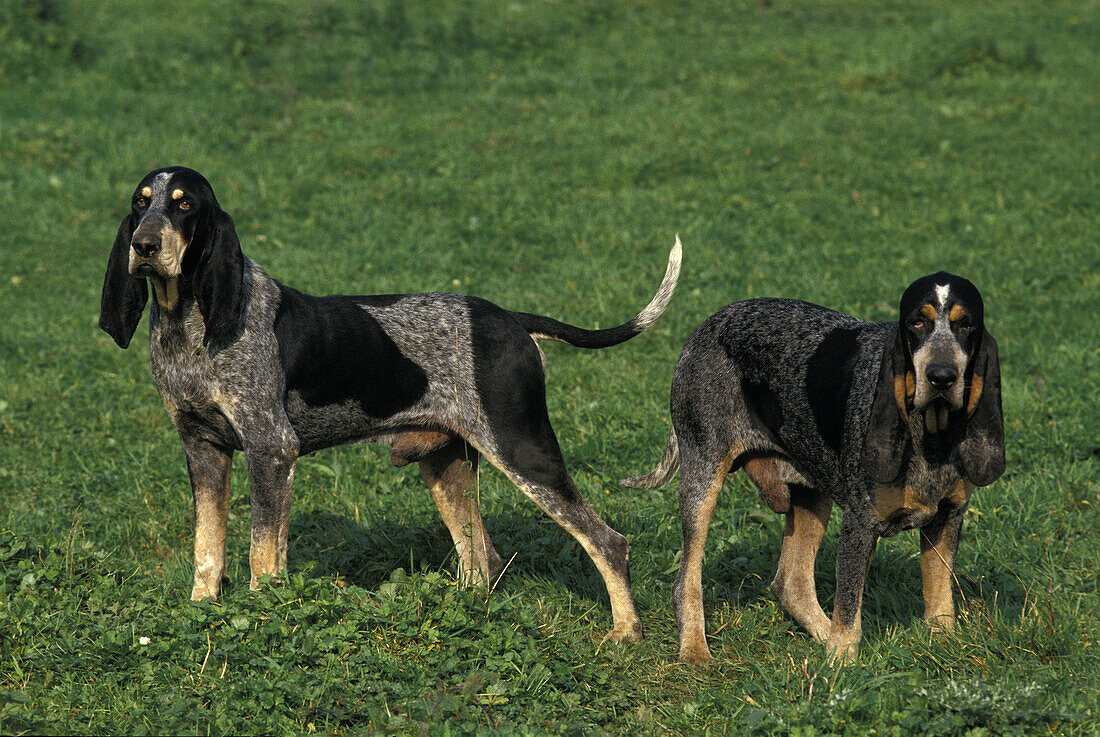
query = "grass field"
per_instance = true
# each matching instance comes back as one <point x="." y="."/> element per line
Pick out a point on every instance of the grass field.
<point x="542" y="155"/>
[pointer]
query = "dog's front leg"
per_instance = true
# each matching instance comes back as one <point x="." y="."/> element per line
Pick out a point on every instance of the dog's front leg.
<point x="853" y="557"/>
<point x="939" y="542"/>
<point x="209" y="467"/>
<point x="270" y="478"/>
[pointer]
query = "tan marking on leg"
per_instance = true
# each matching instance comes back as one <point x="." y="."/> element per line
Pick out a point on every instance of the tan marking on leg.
<point x="937" y="564"/>
<point x="793" y="584"/>
<point x="936" y="572"/>
<point x="210" y="470"/>
<point x="957" y="312"/>
<point x="267" y="555"/>
<point x="211" y="518"/>
<point x="448" y="476"/>
<point x="693" y="636"/>
<point x="842" y="645"/>
<point x="284" y="525"/>
<point x="626" y="625"/>
<point x="263" y="558"/>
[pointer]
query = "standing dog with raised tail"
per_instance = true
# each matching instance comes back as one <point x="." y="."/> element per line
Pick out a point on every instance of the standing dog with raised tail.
<point x="894" y="422"/>
<point x="245" y="363"/>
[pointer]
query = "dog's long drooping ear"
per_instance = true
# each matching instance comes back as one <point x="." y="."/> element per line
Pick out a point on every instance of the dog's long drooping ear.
<point x="218" y="281"/>
<point x="124" y="296"/>
<point x="887" y="442"/>
<point x="983" y="444"/>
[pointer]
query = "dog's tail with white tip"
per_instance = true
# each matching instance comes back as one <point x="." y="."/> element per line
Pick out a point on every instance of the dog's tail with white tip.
<point x="550" y="329"/>
<point x="665" y="470"/>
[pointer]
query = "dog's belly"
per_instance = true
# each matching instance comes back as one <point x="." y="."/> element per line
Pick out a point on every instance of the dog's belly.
<point x="346" y="422"/>
<point x="327" y="425"/>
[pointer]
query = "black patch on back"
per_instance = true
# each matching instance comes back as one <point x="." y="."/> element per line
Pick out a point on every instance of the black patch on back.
<point x="333" y="351"/>
<point x="829" y="382"/>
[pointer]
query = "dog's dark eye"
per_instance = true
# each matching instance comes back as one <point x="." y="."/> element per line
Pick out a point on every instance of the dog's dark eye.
<point x="140" y="202"/>
<point x="963" y="323"/>
<point x="185" y="204"/>
<point x="917" y="324"/>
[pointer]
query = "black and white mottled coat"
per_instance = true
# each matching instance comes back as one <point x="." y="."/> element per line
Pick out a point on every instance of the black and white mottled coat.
<point x="245" y="363"/>
<point x="894" y="422"/>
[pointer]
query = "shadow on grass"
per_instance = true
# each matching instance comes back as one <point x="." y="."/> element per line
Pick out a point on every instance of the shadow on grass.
<point x="365" y="555"/>
<point x="893" y="594"/>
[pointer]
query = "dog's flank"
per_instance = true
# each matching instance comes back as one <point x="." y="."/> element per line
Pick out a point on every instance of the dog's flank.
<point x="243" y="362"/>
<point x="895" y="422"/>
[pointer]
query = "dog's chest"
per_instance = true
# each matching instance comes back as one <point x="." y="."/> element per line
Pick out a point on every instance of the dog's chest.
<point x="192" y="385"/>
<point x="925" y="491"/>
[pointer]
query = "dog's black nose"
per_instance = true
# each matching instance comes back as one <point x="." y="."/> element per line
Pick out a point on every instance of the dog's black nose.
<point x="941" y="376"/>
<point x="145" y="245"/>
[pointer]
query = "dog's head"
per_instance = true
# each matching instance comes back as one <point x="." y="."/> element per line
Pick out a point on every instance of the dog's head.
<point x="939" y="376"/>
<point x="178" y="237"/>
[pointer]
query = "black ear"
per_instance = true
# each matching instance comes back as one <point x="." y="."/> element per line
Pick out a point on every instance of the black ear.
<point x="124" y="296"/>
<point x="983" y="444"/>
<point x="218" y="282"/>
<point x="885" y="447"/>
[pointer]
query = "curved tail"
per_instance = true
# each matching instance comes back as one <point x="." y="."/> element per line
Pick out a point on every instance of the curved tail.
<point x="665" y="470"/>
<point x="549" y="328"/>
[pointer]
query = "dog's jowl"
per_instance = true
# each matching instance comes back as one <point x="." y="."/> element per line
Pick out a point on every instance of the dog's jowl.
<point x="895" y="423"/>
<point x="245" y="363"/>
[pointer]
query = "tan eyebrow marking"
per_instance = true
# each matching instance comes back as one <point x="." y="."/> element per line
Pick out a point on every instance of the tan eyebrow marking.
<point x="929" y="311"/>
<point x="956" y="313"/>
<point x="146" y="191"/>
<point x="177" y="193"/>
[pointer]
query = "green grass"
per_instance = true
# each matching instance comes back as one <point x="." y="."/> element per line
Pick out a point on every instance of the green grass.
<point x="542" y="155"/>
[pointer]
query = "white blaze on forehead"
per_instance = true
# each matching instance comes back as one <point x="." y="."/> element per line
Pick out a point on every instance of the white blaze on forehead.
<point x="158" y="187"/>
<point x="942" y="291"/>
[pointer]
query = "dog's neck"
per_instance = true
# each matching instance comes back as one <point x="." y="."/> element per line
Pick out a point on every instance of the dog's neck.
<point x="175" y="320"/>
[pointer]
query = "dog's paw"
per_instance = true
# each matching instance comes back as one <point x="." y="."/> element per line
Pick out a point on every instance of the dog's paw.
<point x="941" y="623"/>
<point x="842" y="653"/>
<point x="695" y="656"/>
<point x="201" y="592"/>
<point x="630" y="632"/>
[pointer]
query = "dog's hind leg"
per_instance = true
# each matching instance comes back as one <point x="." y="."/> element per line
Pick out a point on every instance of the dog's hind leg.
<point x="209" y="467"/>
<point x="532" y="460"/>
<point x="449" y="473"/>
<point x="701" y="477"/>
<point x="793" y="584"/>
